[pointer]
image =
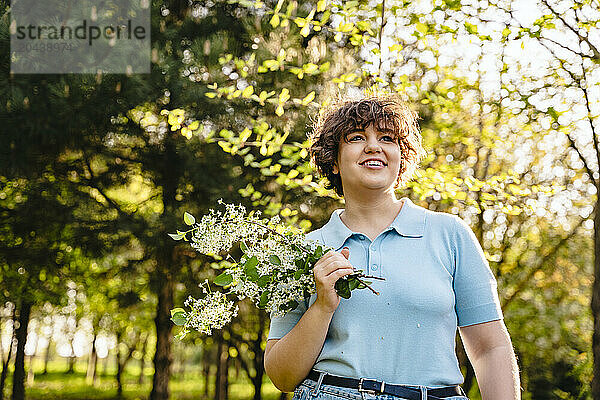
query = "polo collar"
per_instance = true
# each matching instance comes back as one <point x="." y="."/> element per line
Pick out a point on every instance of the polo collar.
<point x="409" y="222"/>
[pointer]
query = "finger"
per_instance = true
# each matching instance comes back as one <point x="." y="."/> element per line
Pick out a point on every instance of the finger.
<point x="324" y="258"/>
<point x="332" y="265"/>
<point x="338" y="273"/>
<point x="345" y="252"/>
<point x="331" y="279"/>
<point x="326" y="261"/>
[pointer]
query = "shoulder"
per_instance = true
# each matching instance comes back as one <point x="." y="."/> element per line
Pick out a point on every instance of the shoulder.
<point x="440" y="220"/>
<point x="315" y="235"/>
<point x="320" y="234"/>
<point x="449" y="225"/>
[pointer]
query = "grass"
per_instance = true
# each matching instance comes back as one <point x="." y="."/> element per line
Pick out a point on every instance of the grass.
<point x="57" y="384"/>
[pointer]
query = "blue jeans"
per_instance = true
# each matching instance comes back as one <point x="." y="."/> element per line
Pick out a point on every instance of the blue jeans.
<point x="311" y="390"/>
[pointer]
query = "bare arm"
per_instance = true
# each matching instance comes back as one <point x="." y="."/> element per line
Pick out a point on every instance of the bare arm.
<point x="490" y="350"/>
<point x="289" y="360"/>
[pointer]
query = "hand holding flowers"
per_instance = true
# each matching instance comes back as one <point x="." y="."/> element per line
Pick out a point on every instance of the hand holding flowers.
<point x="275" y="270"/>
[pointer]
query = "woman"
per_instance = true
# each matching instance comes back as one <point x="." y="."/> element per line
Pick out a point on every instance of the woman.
<point x="400" y="344"/>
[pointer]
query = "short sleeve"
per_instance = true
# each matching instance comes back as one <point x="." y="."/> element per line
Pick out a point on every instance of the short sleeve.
<point x="280" y="326"/>
<point x="475" y="287"/>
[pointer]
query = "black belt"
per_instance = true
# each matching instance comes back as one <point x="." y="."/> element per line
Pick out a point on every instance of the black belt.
<point x="378" y="387"/>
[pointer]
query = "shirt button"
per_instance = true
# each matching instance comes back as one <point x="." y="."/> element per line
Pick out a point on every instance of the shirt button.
<point x="374" y="267"/>
<point x="361" y="237"/>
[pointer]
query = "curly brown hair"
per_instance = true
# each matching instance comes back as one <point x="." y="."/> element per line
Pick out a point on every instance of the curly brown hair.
<point x="347" y="114"/>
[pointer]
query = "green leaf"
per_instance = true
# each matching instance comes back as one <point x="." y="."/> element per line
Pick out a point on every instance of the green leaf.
<point x="250" y="269"/>
<point x="298" y="274"/>
<point x="264" y="299"/>
<point x="243" y="247"/>
<point x="319" y="252"/>
<point x="176" y="310"/>
<point x="291" y="305"/>
<point x="223" y="280"/>
<point x="179" y="318"/>
<point x="251" y="262"/>
<point x="552" y="112"/>
<point x="176" y="236"/>
<point x="342" y="288"/>
<point x="263" y="281"/>
<point x="471" y="28"/>
<point x="252" y="274"/>
<point x="274" y="259"/>
<point x="188" y="218"/>
<point x="353" y="283"/>
<point x="421" y="27"/>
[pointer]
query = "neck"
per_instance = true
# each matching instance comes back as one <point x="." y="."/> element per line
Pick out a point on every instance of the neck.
<point x="374" y="210"/>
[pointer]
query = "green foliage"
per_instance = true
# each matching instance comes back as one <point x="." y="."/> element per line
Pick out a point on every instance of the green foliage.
<point x="178" y="316"/>
<point x="223" y="279"/>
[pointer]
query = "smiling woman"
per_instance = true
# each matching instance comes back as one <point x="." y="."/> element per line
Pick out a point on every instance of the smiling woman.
<point x="369" y="159"/>
<point x="385" y="113"/>
<point x="434" y="278"/>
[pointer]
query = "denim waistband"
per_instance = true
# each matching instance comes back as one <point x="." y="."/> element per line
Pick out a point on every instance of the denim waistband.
<point x="310" y="390"/>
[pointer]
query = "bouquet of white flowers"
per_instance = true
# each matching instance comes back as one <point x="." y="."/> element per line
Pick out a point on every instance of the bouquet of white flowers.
<point x="275" y="270"/>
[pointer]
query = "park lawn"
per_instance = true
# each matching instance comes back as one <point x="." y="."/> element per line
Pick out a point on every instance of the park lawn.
<point x="57" y="384"/>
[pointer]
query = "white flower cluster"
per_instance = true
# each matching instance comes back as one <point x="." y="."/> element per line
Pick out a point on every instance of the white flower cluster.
<point x="291" y="289"/>
<point x="244" y="288"/>
<point x="217" y="232"/>
<point x="213" y="311"/>
<point x="271" y="282"/>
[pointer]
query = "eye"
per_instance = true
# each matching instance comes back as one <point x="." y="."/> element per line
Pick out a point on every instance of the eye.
<point x="354" y="137"/>
<point x="389" y="138"/>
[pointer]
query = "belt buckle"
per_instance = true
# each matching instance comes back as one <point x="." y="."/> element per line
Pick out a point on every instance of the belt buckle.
<point x="370" y="391"/>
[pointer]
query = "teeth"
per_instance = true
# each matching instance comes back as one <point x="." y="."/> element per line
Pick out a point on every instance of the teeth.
<point x="374" y="163"/>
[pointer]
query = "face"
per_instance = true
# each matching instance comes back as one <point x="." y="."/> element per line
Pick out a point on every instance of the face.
<point x="353" y="155"/>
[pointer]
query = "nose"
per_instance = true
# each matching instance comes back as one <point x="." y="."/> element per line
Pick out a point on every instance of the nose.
<point x="372" y="145"/>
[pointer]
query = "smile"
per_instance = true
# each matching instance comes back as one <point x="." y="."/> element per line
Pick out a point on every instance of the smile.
<point x="373" y="164"/>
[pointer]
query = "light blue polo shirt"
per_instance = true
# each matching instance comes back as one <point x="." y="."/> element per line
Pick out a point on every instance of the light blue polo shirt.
<point x="436" y="278"/>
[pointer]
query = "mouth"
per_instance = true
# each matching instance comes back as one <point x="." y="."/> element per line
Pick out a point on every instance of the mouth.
<point x="373" y="164"/>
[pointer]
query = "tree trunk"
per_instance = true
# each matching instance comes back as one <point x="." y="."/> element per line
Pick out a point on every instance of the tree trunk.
<point x="221" y="383"/>
<point x="119" y="367"/>
<point x="18" y="389"/>
<point x="30" y="369"/>
<point x="163" y="357"/>
<point x="5" y="363"/>
<point x="142" y="360"/>
<point x="122" y="362"/>
<point x="206" y="369"/>
<point x="259" y="357"/>
<point x="47" y="356"/>
<point x="596" y="302"/>
<point x="90" y="375"/>
<point x="237" y="368"/>
<point x="105" y="364"/>
<point x="71" y="369"/>
<point x="72" y="357"/>
<point x="30" y="372"/>
<point x="167" y="262"/>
